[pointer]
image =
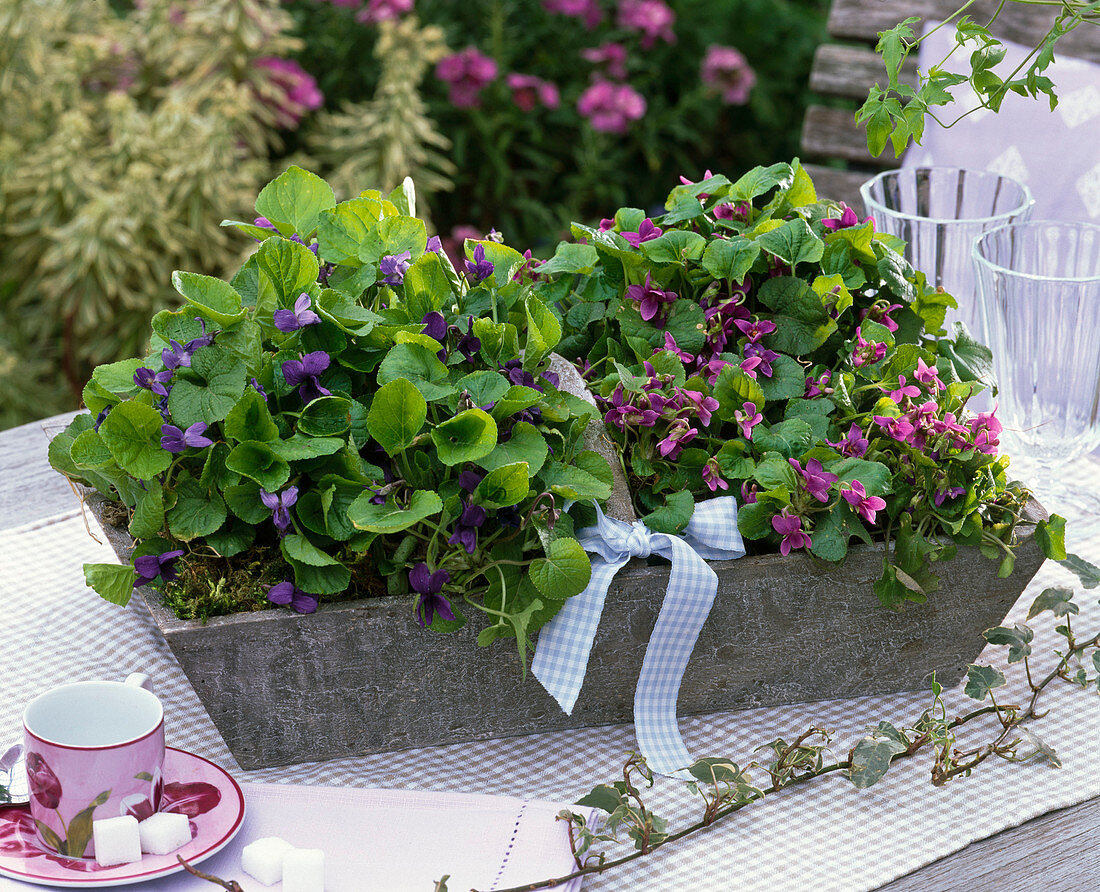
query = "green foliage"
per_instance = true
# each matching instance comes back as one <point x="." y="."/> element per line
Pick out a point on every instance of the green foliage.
<point x="126" y="138"/>
<point x="813" y="375"/>
<point x="356" y="438"/>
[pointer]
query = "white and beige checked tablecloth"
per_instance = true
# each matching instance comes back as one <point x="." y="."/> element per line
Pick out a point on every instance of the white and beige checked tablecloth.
<point x="828" y="836"/>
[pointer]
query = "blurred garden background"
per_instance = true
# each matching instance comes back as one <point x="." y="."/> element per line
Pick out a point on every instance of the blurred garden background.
<point x="130" y="130"/>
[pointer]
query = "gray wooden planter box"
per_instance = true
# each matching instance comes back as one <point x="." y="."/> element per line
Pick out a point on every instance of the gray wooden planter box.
<point x="361" y="677"/>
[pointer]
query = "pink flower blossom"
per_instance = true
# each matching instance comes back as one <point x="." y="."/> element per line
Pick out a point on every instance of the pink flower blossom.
<point x="866" y="506"/>
<point x="880" y="312"/>
<point x="611" y="55"/>
<point x="950" y="492"/>
<point x="748" y="492"/>
<point x="815" y="478"/>
<point x="383" y="10"/>
<point x="749" y="364"/>
<point x="903" y="390"/>
<point x="611" y="107"/>
<point x="652" y="18"/>
<point x="467" y="73"/>
<point x="748" y="418"/>
<point x="647" y="230"/>
<point x="847" y="218"/>
<point x="928" y="375"/>
<point x="528" y="91"/>
<point x="853" y="444"/>
<point x="727" y="72"/>
<point x="712" y="476"/>
<point x="651" y="298"/>
<point x="738" y="212"/>
<point x="789" y="526"/>
<point x="290" y="91"/>
<point x="817" y="386"/>
<point x="694" y="402"/>
<point x="755" y="329"/>
<point x="866" y="351"/>
<point x="672" y="347"/>
<point x="679" y="435"/>
<point x="587" y="10"/>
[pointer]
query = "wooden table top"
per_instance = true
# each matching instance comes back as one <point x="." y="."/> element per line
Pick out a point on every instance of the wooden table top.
<point x="1053" y="851"/>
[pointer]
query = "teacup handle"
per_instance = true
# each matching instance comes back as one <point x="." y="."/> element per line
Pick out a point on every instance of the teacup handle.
<point x="141" y="680"/>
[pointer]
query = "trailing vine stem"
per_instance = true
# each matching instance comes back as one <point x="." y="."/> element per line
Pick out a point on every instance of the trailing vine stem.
<point x="949" y="763"/>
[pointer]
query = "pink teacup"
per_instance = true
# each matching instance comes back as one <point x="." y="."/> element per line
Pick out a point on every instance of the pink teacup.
<point x="94" y="749"/>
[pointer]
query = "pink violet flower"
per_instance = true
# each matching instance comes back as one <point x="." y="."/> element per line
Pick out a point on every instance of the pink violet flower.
<point x="817" y="386"/>
<point x="747" y="418"/>
<point x="847" y="218"/>
<point x="586" y="10"/>
<point x="702" y="405"/>
<point x="738" y="212"/>
<point x="382" y="11"/>
<point x="611" y="55"/>
<point x="866" y="506"/>
<point x="622" y="412"/>
<point x="899" y="429"/>
<point x="672" y="347"/>
<point x="866" y="352"/>
<point x="853" y="444"/>
<point x="607" y="223"/>
<point x="749" y="366"/>
<point x="903" y="390"/>
<point x="297" y="91"/>
<point x="748" y="492"/>
<point x="755" y="329"/>
<point x="702" y="196"/>
<point x="650" y="298"/>
<point x="712" y="476"/>
<point x="767" y="357"/>
<point x="815" y="478"/>
<point x="951" y="492"/>
<point x="928" y="375"/>
<point x="529" y="91"/>
<point x="467" y="73"/>
<point x="647" y="231"/>
<point x="651" y="18"/>
<point x="880" y="312"/>
<point x="712" y="368"/>
<point x="679" y="435"/>
<point x="789" y="526"/>
<point x="727" y="72"/>
<point x="611" y="107"/>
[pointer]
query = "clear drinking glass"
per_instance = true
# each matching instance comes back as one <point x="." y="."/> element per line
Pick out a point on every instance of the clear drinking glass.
<point x="939" y="211"/>
<point x="1039" y="292"/>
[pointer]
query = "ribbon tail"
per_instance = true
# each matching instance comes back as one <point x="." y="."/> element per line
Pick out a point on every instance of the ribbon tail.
<point x="565" y="642"/>
<point x="691" y="591"/>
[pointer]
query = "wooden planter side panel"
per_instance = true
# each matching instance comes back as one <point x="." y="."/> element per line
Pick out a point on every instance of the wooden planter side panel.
<point x="362" y="677"/>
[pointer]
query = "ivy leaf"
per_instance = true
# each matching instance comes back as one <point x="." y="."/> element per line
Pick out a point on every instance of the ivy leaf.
<point x="112" y="582"/>
<point x="391" y="517"/>
<point x="132" y="432"/>
<point x="294" y="200"/>
<point x="564" y="572"/>
<point x="1088" y="573"/>
<point x="604" y="797"/>
<point x="871" y="758"/>
<point x="1018" y="639"/>
<point x="468" y="436"/>
<point x="1057" y="599"/>
<point x="980" y="680"/>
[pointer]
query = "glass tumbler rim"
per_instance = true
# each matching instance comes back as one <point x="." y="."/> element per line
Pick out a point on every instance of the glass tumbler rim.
<point x="870" y="204"/>
<point x="981" y="260"/>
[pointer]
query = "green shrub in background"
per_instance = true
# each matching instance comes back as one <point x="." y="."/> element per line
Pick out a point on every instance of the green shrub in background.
<point x="549" y="125"/>
<point x="125" y="137"/>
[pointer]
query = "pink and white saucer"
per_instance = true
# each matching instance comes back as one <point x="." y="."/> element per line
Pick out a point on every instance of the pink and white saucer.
<point x="193" y="786"/>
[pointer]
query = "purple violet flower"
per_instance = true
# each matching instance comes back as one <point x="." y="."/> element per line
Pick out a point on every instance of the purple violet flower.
<point x="469" y="480"/>
<point x="866" y="506"/>
<point x="712" y="476"/>
<point x="480" y="269"/>
<point x="435" y="326"/>
<point x="748" y="492"/>
<point x="903" y="390"/>
<point x="305" y="372"/>
<point x="175" y="440"/>
<point x="756" y="329"/>
<point x="789" y="526"/>
<point x="951" y="492"/>
<point x="847" y="218"/>
<point x="928" y="375"/>
<point x="646" y="231"/>
<point x="147" y="379"/>
<point x="394" y="266"/>
<point x="287" y="594"/>
<point x="280" y="505"/>
<point x="468" y="343"/>
<point x="679" y="435"/>
<point x="748" y="419"/>
<point x="301" y="316"/>
<point x="150" y="566"/>
<point x="815" y="478"/>
<point x="435" y="245"/>
<point x="175" y="356"/>
<point x="465" y="534"/>
<point x="622" y="412"/>
<point x="672" y="347"/>
<point x="256" y="386"/>
<point x="650" y="298"/>
<point x="766" y="357"/>
<point x="431" y="602"/>
<point x="854" y="443"/>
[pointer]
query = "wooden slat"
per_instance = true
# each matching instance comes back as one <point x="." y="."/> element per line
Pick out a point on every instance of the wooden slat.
<point x="31" y="489"/>
<point x="839" y="185"/>
<point x="832" y="133"/>
<point x="849" y="71"/>
<point x="1024" y="23"/>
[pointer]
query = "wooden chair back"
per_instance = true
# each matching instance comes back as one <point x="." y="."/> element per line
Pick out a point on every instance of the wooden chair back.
<point x="834" y="147"/>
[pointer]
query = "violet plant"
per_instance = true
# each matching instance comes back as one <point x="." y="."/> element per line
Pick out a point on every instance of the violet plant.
<point x="758" y="341"/>
<point x="353" y="405"/>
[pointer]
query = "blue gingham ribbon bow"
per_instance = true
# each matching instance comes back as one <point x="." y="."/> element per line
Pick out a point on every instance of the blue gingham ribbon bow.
<point x="565" y="643"/>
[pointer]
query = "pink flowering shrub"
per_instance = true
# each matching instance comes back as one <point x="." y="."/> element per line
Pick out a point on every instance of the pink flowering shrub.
<point x="288" y="89"/>
<point x="610" y="107"/>
<point x="466" y="73"/>
<point x="726" y="71"/>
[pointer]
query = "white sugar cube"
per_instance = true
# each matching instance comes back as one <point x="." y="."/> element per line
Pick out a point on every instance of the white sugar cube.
<point x="164" y="832"/>
<point x="116" y="840"/>
<point x="304" y="870"/>
<point x="263" y="859"/>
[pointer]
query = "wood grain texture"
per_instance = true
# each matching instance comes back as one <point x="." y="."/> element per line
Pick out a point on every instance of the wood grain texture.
<point x="1024" y="23"/>
<point x="832" y="133"/>
<point x="29" y="488"/>
<point x="839" y="185"/>
<point x="847" y="71"/>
